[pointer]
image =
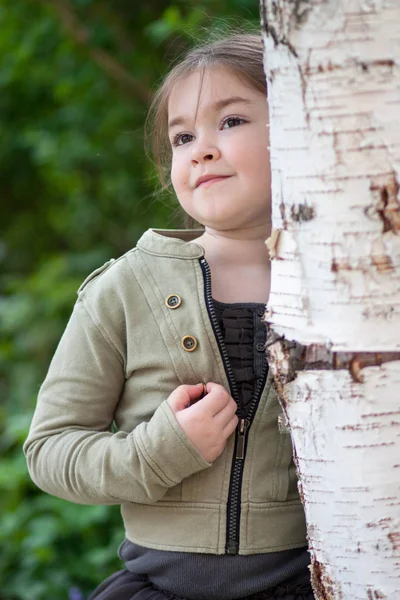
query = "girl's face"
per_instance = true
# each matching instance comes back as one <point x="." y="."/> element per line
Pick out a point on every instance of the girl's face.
<point x="220" y="131"/>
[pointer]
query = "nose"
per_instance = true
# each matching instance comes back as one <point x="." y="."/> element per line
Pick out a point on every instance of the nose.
<point x="204" y="152"/>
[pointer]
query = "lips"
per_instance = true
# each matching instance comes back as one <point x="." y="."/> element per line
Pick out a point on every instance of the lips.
<point x="207" y="180"/>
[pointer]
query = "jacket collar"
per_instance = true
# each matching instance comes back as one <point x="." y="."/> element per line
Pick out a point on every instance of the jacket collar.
<point x="171" y="243"/>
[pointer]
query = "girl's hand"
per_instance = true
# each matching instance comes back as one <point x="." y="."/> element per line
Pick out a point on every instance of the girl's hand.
<point x="210" y="421"/>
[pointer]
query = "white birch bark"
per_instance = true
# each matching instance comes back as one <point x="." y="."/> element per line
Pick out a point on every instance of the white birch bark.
<point x="333" y="72"/>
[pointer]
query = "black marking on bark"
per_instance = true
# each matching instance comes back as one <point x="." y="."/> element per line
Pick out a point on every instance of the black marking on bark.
<point x="386" y="190"/>
<point x="290" y="46"/>
<point x="365" y="66"/>
<point x="394" y="538"/>
<point x="375" y="594"/>
<point x="384" y="63"/>
<point x="383" y="206"/>
<point x="301" y="213"/>
<point x="304" y="92"/>
<point x="389" y="193"/>
<point x="340" y="265"/>
<point x="382" y="262"/>
<point x="282" y="209"/>
<point x="384" y="523"/>
<point x="300" y="13"/>
<point x="270" y="30"/>
<point x="271" y="75"/>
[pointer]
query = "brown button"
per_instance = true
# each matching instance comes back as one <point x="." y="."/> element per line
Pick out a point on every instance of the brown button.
<point x="189" y="343"/>
<point x="173" y="301"/>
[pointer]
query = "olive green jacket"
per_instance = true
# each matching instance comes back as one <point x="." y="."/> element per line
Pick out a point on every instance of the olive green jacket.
<point x="120" y="357"/>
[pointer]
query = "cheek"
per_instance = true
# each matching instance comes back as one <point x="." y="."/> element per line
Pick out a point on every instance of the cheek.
<point x="173" y="176"/>
<point x="258" y="169"/>
<point x="179" y="176"/>
<point x="252" y="154"/>
<point x="260" y="163"/>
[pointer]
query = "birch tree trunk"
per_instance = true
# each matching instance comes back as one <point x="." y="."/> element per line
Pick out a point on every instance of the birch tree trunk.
<point x="333" y="73"/>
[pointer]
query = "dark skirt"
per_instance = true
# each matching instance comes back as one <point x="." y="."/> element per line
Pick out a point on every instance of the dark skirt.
<point x="125" y="585"/>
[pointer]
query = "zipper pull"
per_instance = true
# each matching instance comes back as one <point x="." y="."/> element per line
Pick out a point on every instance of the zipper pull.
<point x="241" y="439"/>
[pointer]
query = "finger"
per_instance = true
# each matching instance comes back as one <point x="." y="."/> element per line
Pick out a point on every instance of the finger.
<point x="203" y="393"/>
<point x="183" y="395"/>
<point x="225" y="415"/>
<point x="216" y="399"/>
<point x="211" y="386"/>
<point x="230" y="427"/>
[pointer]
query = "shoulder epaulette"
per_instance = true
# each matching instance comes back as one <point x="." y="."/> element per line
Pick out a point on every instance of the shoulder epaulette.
<point x="96" y="273"/>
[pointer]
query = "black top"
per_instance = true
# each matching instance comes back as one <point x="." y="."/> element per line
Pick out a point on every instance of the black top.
<point x="222" y="577"/>
<point x="244" y="336"/>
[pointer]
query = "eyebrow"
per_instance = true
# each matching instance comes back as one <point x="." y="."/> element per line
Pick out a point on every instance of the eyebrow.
<point x="216" y="105"/>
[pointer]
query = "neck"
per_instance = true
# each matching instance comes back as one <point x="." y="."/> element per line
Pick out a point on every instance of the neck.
<point x="239" y="263"/>
<point x="240" y="248"/>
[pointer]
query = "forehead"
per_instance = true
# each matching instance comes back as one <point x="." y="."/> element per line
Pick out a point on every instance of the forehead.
<point x="201" y="89"/>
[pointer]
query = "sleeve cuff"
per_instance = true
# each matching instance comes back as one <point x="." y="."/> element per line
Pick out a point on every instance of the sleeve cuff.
<point x="168" y="449"/>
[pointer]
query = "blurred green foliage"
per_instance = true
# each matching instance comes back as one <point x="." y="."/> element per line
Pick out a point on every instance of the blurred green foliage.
<point x="76" y="77"/>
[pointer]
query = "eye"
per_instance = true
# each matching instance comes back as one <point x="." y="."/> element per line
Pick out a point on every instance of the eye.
<point x="180" y="139"/>
<point x="232" y="122"/>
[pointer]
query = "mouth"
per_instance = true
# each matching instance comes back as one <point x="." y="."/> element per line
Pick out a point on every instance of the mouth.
<point x="207" y="182"/>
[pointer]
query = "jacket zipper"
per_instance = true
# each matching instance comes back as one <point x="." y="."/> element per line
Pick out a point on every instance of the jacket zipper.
<point x="235" y="485"/>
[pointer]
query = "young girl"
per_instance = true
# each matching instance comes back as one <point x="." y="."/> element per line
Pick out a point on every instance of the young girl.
<point x="168" y="343"/>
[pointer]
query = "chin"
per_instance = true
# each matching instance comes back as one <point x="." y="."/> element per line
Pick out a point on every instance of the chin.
<point x="220" y="224"/>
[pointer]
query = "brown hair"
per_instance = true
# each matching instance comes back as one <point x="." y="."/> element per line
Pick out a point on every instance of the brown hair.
<point x="240" y="52"/>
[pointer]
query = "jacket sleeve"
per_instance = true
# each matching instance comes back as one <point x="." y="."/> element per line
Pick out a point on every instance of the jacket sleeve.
<point x="70" y="450"/>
